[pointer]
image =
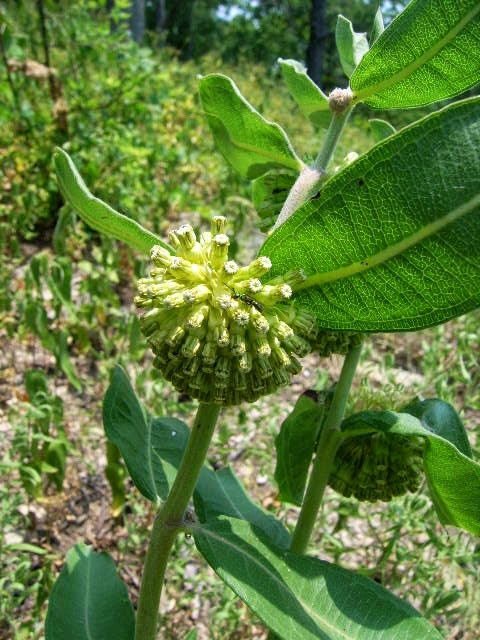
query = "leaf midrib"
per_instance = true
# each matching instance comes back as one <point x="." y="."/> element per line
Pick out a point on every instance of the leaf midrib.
<point x="418" y="62"/>
<point x="294" y="162"/>
<point x="396" y="249"/>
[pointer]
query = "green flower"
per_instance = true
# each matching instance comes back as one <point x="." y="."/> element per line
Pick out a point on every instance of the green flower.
<point x="218" y="332"/>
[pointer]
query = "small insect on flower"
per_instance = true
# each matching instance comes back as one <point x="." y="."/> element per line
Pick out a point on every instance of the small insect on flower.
<point x="246" y="299"/>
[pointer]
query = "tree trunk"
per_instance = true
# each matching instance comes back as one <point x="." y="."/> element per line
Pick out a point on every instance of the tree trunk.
<point x="137" y="20"/>
<point x="316" y="45"/>
<point x="160" y="16"/>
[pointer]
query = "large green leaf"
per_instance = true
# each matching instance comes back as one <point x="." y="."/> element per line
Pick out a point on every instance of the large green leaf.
<point x="96" y="213"/>
<point x="251" y="144"/>
<point x="302" y="597"/>
<point x="429" y="52"/>
<point x="151" y="447"/>
<point x="220" y="493"/>
<point x="453" y="477"/>
<point x="310" y="98"/>
<point x="392" y="243"/>
<point x="352" y="46"/>
<point x="89" y="601"/>
<point x="295" y="444"/>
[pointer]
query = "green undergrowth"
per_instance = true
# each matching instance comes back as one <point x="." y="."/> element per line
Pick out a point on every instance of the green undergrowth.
<point x="135" y="129"/>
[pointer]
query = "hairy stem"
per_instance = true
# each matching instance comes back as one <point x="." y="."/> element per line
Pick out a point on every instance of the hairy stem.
<point x="330" y="438"/>
<point x="169" y="520"/>
<point x="311" y="178"/>
<point x="334" y="131"/>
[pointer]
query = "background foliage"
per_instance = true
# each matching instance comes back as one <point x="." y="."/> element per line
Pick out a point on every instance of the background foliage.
<point x="129" y="115"/>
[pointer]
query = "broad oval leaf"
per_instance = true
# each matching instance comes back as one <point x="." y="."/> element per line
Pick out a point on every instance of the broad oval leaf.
<point x="89" y="601"/>
<point x="220" y="493"/>
<point x="429" y="52"/>
<point x="295" y="444"/>
<point x="302" y="597"/>
<point x="251" y="144"/>
<point x="151" y="447"/>
<point x="96" y="213"/>
<point x="312" y="101"/>
<point x="453" y="477"/>
<point x="352" y="46"/>
<point x="392" y="242"/>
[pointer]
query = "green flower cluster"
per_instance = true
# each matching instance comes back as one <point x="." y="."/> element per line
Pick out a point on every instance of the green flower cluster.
<point x="377" y="466"/>
<point x="218" y="332"/>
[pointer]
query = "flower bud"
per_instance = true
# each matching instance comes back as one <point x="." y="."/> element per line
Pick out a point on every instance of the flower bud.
<point x="377" y="466"/>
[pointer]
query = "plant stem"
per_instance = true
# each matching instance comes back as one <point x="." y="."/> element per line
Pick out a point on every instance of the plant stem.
<point x="311" y="178"/>
<point x="169" y="520"/>
<point x="334" y="131"/>
<point x="330" y="438"/>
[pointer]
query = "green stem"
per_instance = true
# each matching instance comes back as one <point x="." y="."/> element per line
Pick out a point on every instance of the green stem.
<point x="330" y="438"/>
<point x="334" y="131"/>
<point x="311" y="178"/>
<point x="169" y="520"/>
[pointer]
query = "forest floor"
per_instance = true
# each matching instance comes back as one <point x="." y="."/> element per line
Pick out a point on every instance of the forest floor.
<point x="394" y="366"/>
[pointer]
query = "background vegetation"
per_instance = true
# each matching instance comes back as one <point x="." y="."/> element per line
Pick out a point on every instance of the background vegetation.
<point x="128" y="113"/>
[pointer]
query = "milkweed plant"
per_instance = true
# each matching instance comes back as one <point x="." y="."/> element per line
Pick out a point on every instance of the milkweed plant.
<point x="389" y="241"/>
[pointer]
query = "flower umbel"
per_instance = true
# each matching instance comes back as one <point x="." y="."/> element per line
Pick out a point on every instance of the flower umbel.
<point x="218" y="332"/>
<point x="378" y="466"/>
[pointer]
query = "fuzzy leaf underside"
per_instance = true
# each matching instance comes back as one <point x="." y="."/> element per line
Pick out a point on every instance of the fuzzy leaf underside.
<point x="251" y="144"/>
<point x="392" y="243"/>
<point x="351" y="46"/>
<point x="311" y="100"/>
<point x="428" y="53"/>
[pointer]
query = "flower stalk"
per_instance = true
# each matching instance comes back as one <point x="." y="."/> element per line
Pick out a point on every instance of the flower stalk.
<point x="329" y="441"/>
<point x="169" y="520"/>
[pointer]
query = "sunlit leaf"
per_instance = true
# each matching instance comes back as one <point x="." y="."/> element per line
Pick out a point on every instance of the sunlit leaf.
<point x="429" y="52"/>
<point x="303" y="597"/>
<point x="310" y="98"/>
<point x="251" y="144"/>
<point x="392" y="242"/>
<point x="351" y="46"/>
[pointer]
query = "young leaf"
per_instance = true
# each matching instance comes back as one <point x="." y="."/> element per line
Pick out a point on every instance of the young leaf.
<point x="97" y="214"/>
<point x="302" y="597"/>
<point x="140" y="438"/>
<point x="381" y="129"/>
<point x="295" y="444"/>
<point x="428" y="53"/>
<point x="312" y="101"/>
<point x="251" y="144"/>
<point x="351" y="46"/>
<point x="392" y="242"/>
<point x="378" y="27"/>
<point x="453" y="478"/>
<point x="89" y="600"/>
<point x="220" y="493"/>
